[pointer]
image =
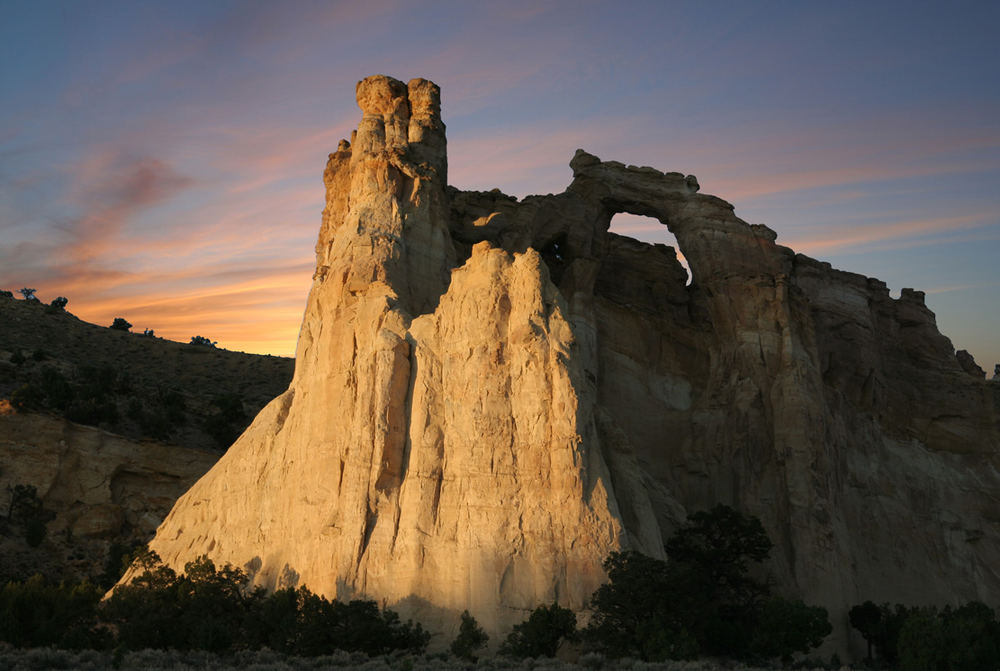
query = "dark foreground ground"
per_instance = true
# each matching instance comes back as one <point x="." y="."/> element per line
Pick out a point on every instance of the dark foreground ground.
<point x="265" y="660"/>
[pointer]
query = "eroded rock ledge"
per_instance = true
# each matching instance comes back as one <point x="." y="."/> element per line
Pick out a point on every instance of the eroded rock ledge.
<point x="491" y="394"/>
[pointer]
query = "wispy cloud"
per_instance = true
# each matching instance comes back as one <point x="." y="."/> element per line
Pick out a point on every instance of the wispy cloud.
<point x="893" y="235"/>
<point x="164" y="164"/>
<point x="958" y="287"/>
<point x="111" y="189"/>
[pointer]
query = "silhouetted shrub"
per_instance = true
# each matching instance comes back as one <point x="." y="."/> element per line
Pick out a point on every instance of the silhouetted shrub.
<point x="643" y="611"/>
<point x="470" y="638"/>
<point x="145" y="612"/>
<point x="119" y="557"/>
<point x="867" y="619"/>
<point x="212" y="605"/>
<point x="29" y="294"/>
<point x="36" y="613"/>
<point x="950" y="639"/>
<point x="713" y="553"/>
<point x="200" y="340"/>
<point x="56" y="389"/>
<point x="215" y="609"/>
<point x="541" y="634"/>
<point x="703" y="601"/>
<point x="358" y="626"/>
<point x="120" y="324"/>
<point x="175" y="406"/>
<point x="59" y="303"/>
<point x="153" y="422"/>
<point x="786" y="627"/>
<point x="880" y="626"/>
<point x="6" y="294"/>
<point x="27" y="512"/>
<point x="28" y="397"/>
<point x="97" y="381"/>
<point x="92" y="411"/>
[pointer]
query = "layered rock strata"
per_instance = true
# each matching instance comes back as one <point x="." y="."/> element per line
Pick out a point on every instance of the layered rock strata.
<point x="101" y="489"/>
<point x="491" y="394"/>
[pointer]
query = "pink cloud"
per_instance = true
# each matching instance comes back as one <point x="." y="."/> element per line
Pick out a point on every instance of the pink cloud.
<point x="111" y="188"/>
<point x="894" y="235"/>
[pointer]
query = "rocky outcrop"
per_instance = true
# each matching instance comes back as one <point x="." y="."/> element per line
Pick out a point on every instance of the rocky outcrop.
<point x="437" y="447"/>
<point x="491" y="394"/>
<point x="100" y="488"/>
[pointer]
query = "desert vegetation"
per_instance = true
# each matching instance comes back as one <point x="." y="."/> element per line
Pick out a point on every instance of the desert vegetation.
<point x="133" y="384"/>
<point x="26" y="515"/>
<point x="704" y="605"/>
<point x="703" y="602"/>
<point x="268" y="660"/>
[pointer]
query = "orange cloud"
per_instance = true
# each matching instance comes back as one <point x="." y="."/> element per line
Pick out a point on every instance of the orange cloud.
<point x="256" y="310"/>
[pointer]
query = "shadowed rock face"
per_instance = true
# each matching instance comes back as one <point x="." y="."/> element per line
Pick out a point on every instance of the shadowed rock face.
<point x="490" y="395"/>
<point x="102" y="488"/>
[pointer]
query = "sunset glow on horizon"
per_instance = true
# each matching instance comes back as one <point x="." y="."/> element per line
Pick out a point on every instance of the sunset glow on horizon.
<point x="163" y="162"/>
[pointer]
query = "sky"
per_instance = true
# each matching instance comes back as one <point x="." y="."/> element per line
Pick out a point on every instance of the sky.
<point x="162" y="161"/>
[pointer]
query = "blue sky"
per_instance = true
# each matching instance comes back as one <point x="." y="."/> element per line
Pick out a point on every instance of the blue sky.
<point x="163" y="161"/>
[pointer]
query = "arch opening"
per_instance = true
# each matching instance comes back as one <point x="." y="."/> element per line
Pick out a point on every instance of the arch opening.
<point x="650" y="231"/>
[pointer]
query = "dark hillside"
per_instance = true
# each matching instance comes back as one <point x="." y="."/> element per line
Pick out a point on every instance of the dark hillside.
<point x="134" y="385"/>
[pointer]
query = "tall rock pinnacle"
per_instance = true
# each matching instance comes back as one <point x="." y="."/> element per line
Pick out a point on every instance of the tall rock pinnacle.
<point x="491" y="395"/>
<point x="428" y="451"/>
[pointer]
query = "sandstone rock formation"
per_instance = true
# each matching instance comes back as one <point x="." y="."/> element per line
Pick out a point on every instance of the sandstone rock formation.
<point x="491" y="394"/>
<point x="101" y="488"/>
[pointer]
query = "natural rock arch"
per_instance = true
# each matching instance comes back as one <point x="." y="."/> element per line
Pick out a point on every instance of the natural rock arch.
<point x="470" y="427"/>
